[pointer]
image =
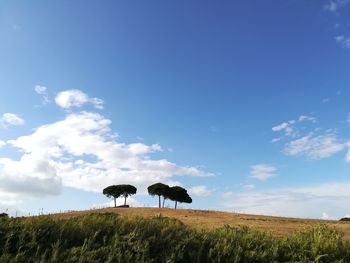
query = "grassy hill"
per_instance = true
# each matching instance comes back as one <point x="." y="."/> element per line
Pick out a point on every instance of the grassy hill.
<point x="205" y="219"/>
<point x="165" y="235"/>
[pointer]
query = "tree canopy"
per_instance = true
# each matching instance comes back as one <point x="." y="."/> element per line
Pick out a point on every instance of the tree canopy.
<point x="158" y="189"/>
<point x="120" y="190"/>
<point x="179" y="194"/>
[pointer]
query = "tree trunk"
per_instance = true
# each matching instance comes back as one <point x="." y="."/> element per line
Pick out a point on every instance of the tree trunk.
<point x="159" y="200"/>
<point x="175" y="204"/>
<point x="115" y="202"/>
<point x="163" y="202"/>
<point x="125" y="201"/>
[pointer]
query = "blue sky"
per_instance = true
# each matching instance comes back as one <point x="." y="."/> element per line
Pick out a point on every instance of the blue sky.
<point x="244" y="103"/>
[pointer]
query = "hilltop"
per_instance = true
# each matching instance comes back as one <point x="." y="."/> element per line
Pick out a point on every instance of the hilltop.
<point x="207" y="219"/>
<point x="142" y="235"/>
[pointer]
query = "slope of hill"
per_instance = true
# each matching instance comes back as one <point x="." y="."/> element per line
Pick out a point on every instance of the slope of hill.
<point x="102" y="236"/>
<point x="205" y="219"/>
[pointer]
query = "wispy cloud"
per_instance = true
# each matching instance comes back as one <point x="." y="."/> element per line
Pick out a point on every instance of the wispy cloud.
<point x="287" y="127"/>
<point x="200" y="190"/>
<point x="263" y="172"/>
<point x="347" y="156"/>
<point x="8" y="119"/>
<point x="42" y="90"/>
<point x="274" y="140"/>
<point x="313" y="143"/>
<point x="334" y="5"/>
<point x="76" y="98"/>
<point x="343" y="41"/>
<point x="315" y="147"/>
<point x="290" y="127"/>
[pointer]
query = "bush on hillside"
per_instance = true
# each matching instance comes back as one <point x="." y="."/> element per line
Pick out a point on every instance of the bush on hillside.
<point x="3" y="215"/>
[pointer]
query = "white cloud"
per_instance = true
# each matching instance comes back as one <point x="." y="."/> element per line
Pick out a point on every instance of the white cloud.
<point x="315" y="147"/>
<point x="10" y="207"/>
<point x="331" y="6"/>
<point x="32" y="175"/>
<point x="76" y="98"/>
<point x="325" y="216"/>
<point x="200" y="190"/>
<point x="343" y="41"/>
<point x="347" y="156"/>
<point x="287" y="127"/>
<point x="2" y="144"/>
<point x="8" y="119"/>
<point x="290" y="127"/>
<point x="307" y="118"/>
<point x="292" y="202"/>
<point x="140" y="148"/>
<point x="262" y="172"/>
<point x="42" y="90"/>
<point x="280" y="127"/>
<point x="79" y="152"/>
<point x="335" y="5"/>
<point x="274" y="140"/>
<point x="316" y="144"/>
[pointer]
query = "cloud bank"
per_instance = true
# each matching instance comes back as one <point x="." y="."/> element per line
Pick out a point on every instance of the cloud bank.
<point x="315" y="201"/>
<point x="80" y="152"/>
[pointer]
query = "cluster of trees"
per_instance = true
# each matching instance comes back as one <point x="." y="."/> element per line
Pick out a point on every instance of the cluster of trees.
<point x="174" y="193"/>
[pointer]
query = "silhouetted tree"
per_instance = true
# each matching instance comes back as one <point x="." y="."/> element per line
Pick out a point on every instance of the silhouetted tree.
<point x="4" y="215"/>
<point x="168" y="193"/>
<point x="119" y="190"/>
<point x="179" y="194"/>
<point x="158" y="189"/>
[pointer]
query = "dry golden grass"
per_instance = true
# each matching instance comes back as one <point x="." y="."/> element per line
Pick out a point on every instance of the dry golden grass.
<point x="203" y="219"/>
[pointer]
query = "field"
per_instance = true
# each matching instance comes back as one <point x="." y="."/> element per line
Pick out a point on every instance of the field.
<point x="205" y="219"/>
<point x="165" y="235"/>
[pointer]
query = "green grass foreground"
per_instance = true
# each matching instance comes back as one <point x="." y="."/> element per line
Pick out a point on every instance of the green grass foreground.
<point x="112" y="238"/>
